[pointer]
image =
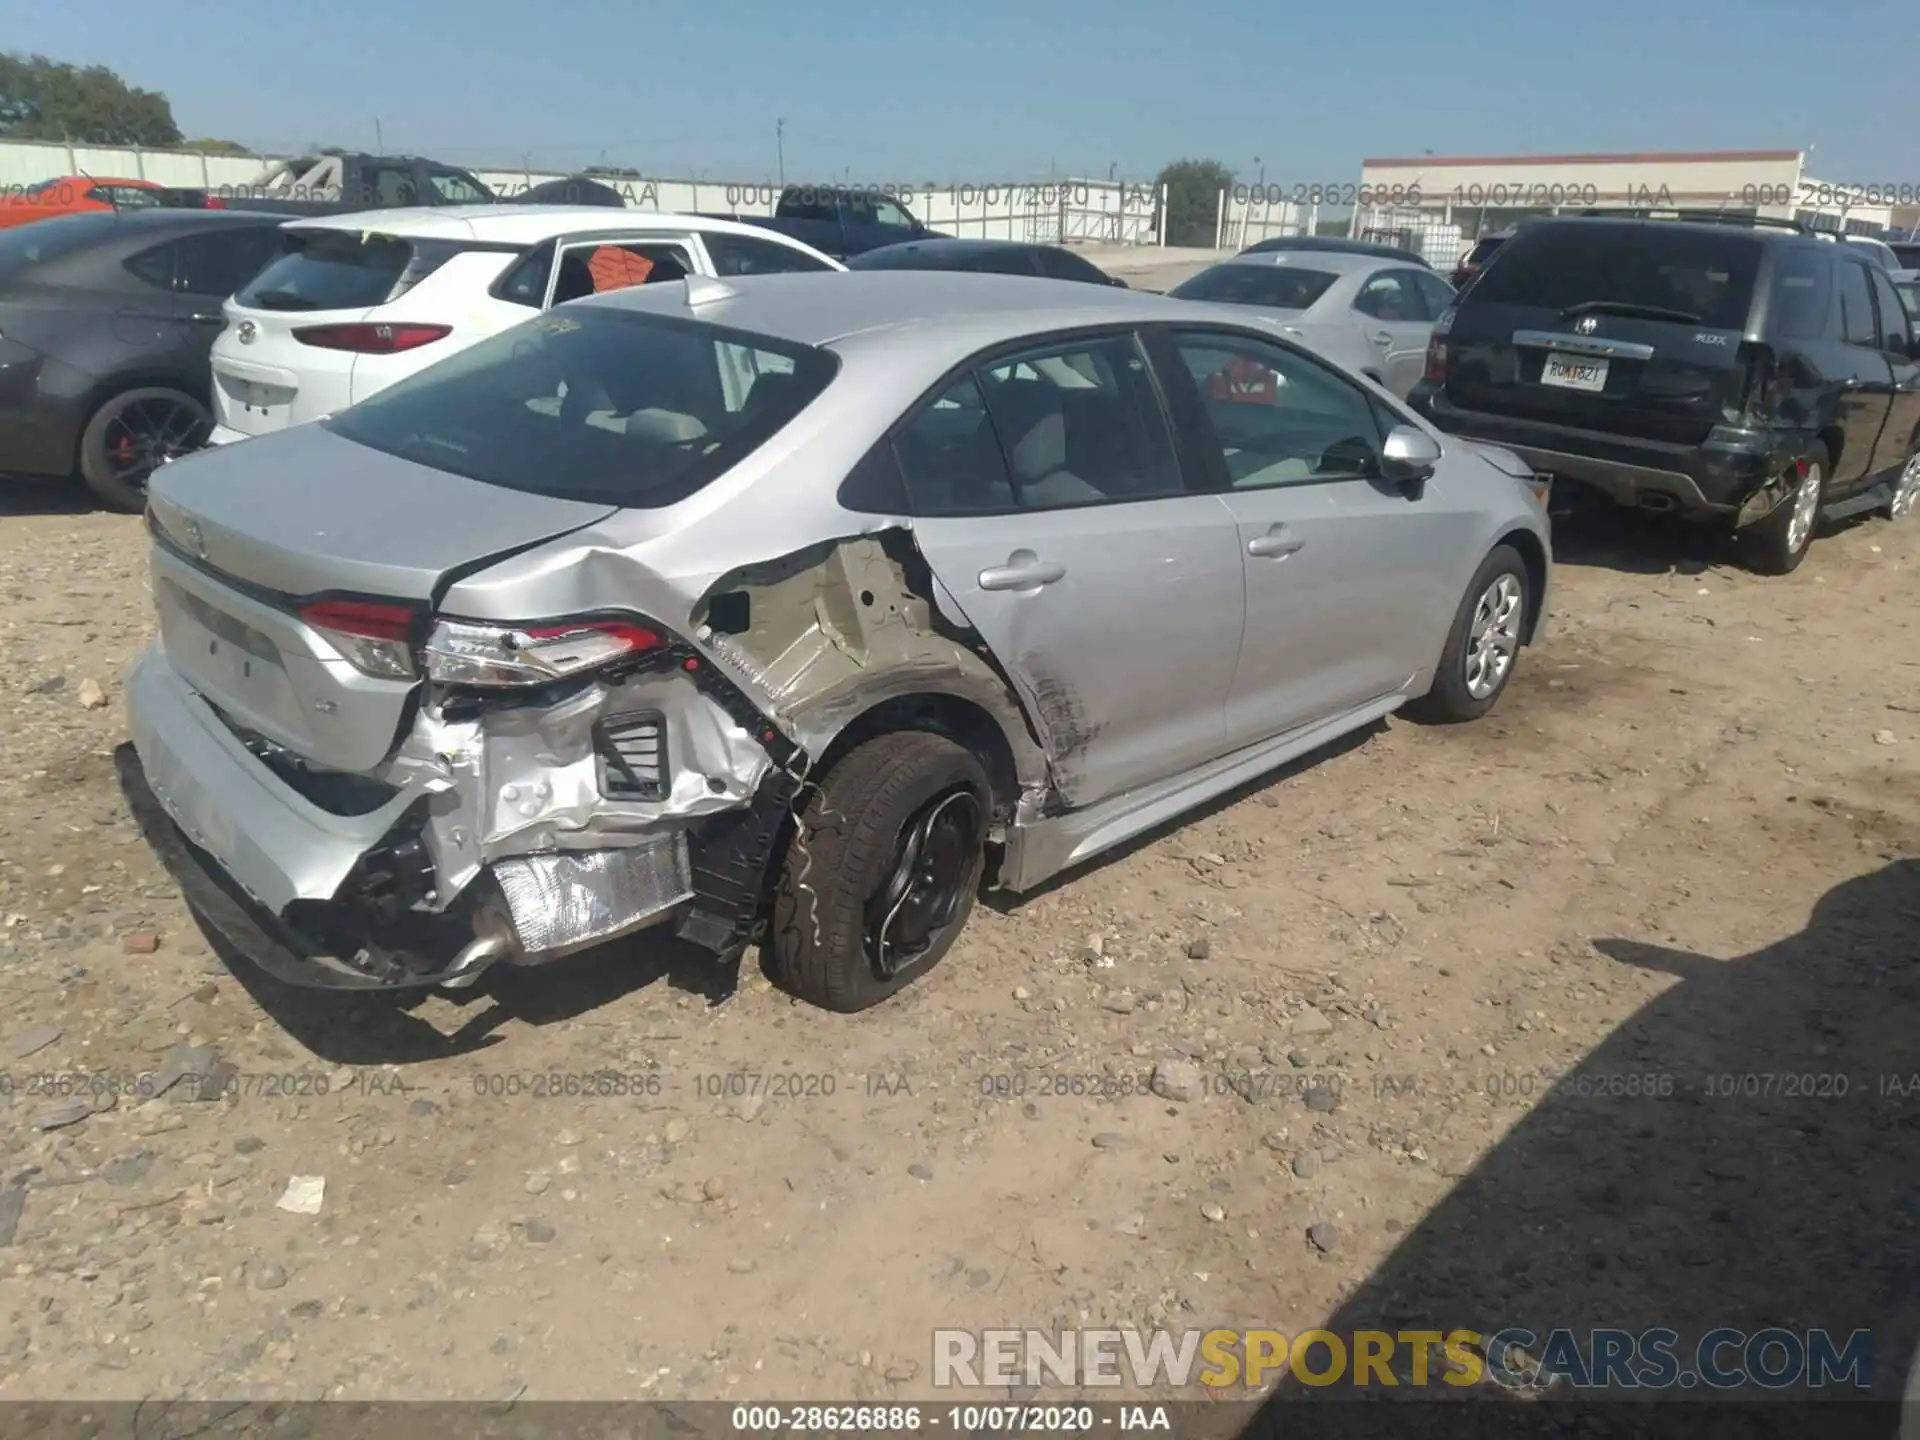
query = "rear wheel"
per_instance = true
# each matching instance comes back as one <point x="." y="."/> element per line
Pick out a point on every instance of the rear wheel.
<point x="1778" y="544"/>
<point x="1483" y="645"/>
<point x="882" y="872"/>
<point x="134" y="432"/>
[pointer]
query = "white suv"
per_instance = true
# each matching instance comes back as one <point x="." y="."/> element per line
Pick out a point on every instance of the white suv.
<point x="356" y="302"/>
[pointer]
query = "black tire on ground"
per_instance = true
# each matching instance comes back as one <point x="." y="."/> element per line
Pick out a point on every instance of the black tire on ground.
<point x="1451" y="700"/>
<point x="853" y="828"/>
<point x="1770" y="546"/>
<point x="97" y="466"/>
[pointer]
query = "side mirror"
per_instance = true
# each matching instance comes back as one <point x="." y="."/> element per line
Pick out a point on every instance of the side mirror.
<point x="1409" y="457"/>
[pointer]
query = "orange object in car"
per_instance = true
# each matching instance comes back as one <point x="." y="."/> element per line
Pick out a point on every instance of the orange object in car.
<point x="614" y="268"/>
<point x="74" y="195"/>
<point x="1244" y="381"/>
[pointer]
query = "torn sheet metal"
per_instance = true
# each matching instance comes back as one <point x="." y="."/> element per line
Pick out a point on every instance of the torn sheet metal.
<point x="837" y="629"/>
<point x="521" y="778"/>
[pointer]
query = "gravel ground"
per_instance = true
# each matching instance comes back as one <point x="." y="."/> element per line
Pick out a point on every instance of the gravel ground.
<point x="1383" y="1036"/>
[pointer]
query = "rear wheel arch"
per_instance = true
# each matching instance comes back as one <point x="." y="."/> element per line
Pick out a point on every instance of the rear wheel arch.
<point x="960" y="719"/>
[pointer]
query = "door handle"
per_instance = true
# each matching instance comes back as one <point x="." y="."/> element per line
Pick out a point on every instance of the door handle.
<point x="1852" y="382"/>
<point x="1275" y="544"/>
<point x="1023" y="571"/>
<point x="1381" y="337"/>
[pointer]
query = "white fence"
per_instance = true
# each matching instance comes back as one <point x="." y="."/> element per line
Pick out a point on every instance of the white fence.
<point x="1051" y="211"/>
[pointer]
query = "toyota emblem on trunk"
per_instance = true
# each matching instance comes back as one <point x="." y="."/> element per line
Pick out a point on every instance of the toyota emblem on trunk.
<point x="247" y="331"/>
<point x="1586" y="326"/>
<point x="196" y="539"/>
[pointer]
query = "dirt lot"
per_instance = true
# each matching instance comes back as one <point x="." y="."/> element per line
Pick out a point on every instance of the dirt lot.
<point x="1394" y="997"/>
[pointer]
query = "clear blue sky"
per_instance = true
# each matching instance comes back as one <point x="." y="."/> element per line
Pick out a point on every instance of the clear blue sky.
<point x="912" y="91"/>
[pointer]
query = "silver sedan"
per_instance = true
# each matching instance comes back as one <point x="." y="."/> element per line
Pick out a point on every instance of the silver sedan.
<point x="1370" y="315"/>
<point x="772" y="609"/>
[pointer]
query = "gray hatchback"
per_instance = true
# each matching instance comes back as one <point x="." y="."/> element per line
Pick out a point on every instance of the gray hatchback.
<point x="785" y="608"/>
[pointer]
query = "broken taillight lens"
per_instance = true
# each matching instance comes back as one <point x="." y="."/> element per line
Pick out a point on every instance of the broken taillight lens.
<point x="1436" y="371"/>
<point x="463" y="653"/>
<point x="375" y="639"/>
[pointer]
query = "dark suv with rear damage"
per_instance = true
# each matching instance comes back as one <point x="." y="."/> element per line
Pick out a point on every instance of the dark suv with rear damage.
<point x="1746" y="374"/>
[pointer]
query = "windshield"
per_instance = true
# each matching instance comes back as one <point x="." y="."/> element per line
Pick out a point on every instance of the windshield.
<point x="595" y="403"/>
<point x="1697" y="277"/>
<point x="329" y="270"/>
<point x="1271" y="287"/>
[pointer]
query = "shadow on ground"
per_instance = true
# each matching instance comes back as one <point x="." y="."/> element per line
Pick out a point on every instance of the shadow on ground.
<point x="1767" y="1173"/>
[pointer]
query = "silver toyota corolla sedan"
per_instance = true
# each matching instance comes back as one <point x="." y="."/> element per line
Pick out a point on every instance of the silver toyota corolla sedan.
<point x="1369" y="315"/>
<point x="780" y="608"/>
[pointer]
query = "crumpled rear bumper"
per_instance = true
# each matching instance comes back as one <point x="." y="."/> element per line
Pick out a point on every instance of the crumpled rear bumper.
<point x="276" y="846"/>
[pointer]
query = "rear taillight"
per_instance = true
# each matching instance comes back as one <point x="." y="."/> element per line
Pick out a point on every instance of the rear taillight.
<point x="371" y="339"/>
<point x="1436" y="371"/>
<point x="375" y="639"/>
<point x="463" y="653"/>
<point x="213" y="202"/>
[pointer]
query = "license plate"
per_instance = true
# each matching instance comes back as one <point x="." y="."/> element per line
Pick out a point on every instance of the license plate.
<point x="1571" y="372"/>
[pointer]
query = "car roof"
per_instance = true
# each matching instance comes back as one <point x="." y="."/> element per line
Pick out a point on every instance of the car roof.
<point x="1334" y="262"/>
<point x="821" y="309"/>
<point x="521" y="224"/>
<point x="130" y="224"/>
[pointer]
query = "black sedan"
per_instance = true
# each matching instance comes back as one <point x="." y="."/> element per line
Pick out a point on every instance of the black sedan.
<point x="105" y="324"/>
<point x="997" y="257"/>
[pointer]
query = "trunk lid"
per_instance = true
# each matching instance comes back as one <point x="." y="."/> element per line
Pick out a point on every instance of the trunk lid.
<point x="1629" y="329"/>
<point x="254" y="530"/>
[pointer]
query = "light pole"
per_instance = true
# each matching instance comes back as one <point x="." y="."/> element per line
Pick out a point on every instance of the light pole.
<point x="780" y="149"/>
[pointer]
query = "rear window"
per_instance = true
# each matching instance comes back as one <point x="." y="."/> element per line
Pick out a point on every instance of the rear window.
<point x="329" y="270"/>
<point x="27" y="245"/>
<point x="1273" y="287"/>
<point x="1699" y="277"/>
<point x="595" y="403"/>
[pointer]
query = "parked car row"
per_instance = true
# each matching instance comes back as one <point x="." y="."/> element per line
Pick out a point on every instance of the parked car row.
<point x="761" y="605"/>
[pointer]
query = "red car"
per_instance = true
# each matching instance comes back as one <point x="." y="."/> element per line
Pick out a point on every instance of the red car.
<point x="76" y="195"/>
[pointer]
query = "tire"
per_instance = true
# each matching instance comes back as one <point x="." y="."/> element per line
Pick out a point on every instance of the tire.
<point x="832" y="895"/>
<point x="1459" y="692"/>
<point x="130" y="433"/>
<point x="1905" y="502"/>
<point x="1778" y="544"/>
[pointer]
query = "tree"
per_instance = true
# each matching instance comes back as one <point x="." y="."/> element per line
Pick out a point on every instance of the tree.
<point x="1193" y="200"/>
<point x="217" y="147"/>
<point x="42" y="99"/>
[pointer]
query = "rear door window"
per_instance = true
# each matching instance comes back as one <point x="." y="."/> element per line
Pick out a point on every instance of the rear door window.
<point x="154" y="267"/>
<point x="329" y="270"/>
<point x="1803" y="294"/>
<point x="1698" y="276"/>
<point x="1067" y="425"/>
<point x="1435" y="291"/>
<point x="1856" y="305"/>
<point x="1391" y="295"/>
<point x="595" y="403"/>
<point x="220" y="262"/>
<point x="1895" y="326"/>
<point x="596" y="267"/>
